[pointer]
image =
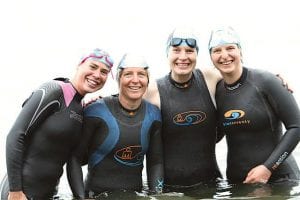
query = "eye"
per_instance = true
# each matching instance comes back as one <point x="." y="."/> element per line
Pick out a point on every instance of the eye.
<point x="216" y="50"/>
<point x="190" y="50"/>
<point x="104" y="72"/>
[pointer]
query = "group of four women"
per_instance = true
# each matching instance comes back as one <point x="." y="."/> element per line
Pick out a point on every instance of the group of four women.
<point x="175" y="122"/>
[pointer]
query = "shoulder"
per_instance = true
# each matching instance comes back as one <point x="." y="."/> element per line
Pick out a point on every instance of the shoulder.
<point x="95" y="108"/>
<point x="153" y="111"/>
<point x="263" y="78"/>
<point x="211" y="74"/>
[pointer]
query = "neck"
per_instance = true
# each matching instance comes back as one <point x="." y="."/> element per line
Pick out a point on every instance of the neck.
<point x="179" y="78"/>
<point x="73" y="82"/>
<point x="231" y="78"/>
<point x="129" y="104"/>
<point x="239" y="82"/>
<point x="181" y="84"/>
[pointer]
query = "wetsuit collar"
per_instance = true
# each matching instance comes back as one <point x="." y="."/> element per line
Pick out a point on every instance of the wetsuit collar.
<point x="239" y="82"/>
<point x="181" y="85"/>
<point x="130" y="112"/>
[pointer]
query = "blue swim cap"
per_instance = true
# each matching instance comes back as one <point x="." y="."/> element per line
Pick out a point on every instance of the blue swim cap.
<point x="98" y="55"/>
<point x="183" y="36"/>
<point x="224" y="35"/>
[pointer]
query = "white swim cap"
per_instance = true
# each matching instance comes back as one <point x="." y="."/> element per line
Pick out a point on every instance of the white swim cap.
<point x="224" y="35"/>
<point x="132" y="60"/>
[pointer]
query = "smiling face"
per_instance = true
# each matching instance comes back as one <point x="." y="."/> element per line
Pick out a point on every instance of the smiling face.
<point x="182" y="60"/>
<point x="133" y="82"/>
<point x="91" y="76"/>
<point x="227" y="59"/>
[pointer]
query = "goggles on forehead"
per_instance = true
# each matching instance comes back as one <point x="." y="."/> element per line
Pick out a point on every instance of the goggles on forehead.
<point x="99" y="55"/>
<point x="107" y="60"/>
<point x="178" y="41"/>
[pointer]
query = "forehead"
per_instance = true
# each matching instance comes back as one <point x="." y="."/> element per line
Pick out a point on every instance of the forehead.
<point x="134" y="69"/>
<point x="226" y="45"/>
<point x="97" y="63"/>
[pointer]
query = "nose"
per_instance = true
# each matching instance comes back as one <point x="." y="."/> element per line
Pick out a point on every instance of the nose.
<point x="224" y="54"/>
<point x="135" y="78"/>
<point x="182" y="55"/>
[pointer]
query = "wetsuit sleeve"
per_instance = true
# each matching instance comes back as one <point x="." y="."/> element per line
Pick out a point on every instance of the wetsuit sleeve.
<point x="41" y="104"/>
<point x="219" y="130"/>
<point x="155" y="159"/>
<point x="286" y="108"/>
<point x="220" y="134"/>
<point x="91" y="125"/>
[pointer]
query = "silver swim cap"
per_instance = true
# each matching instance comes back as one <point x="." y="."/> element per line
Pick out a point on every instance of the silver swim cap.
<point x="132" y="60"/>
<point x="224" y="35"/>
<point x="183" y="36"/>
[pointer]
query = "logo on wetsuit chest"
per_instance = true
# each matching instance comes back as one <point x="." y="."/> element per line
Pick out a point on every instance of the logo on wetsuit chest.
<point x="234" y="117"/>
<point x="76" y="116"/>
<point x="189" y="118"/>
<point x="131" y="155"/>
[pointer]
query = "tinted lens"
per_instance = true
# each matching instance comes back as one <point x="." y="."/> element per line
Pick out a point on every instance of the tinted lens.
<point x="191" y="42"/>
<point x="176" y="41"/>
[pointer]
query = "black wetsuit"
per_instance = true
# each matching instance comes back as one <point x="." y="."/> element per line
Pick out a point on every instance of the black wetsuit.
<point x="116" y="143"/>
<point x="250" y="113"/>
<point x="41" y="139"/>
<point x="189" y="132"/>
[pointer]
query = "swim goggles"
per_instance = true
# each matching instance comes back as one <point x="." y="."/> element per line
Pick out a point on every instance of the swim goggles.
<point x="101" y="56"/>
<point x="189" y="41"/>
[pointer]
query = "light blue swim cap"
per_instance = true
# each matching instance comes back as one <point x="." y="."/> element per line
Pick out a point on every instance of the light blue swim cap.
<point x="185" y="34"/>
<point x="224" y="35"/>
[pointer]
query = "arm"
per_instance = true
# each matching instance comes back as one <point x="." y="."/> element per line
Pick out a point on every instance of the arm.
<point x="152" y="94"/>
<point x="212" y="76"/>
<point x="155" y="160"/>
<point x="286" y="108"/>
<point x="79" y="158"/>
<point x="41" y="104"/>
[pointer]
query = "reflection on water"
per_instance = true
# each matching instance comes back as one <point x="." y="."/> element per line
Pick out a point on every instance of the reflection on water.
<point x="222" y="190"/>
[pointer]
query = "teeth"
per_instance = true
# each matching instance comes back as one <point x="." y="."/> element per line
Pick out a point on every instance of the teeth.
<point x="134" y="87"/>
<point x="226" y="63"/>
<point x="92" y="82"/>
<point x="182" y="64"/>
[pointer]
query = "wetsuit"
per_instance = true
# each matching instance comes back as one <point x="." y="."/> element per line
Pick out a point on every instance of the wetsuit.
<point x="40" y="141"/>
<point x="250" y="113"/>
<point x="116" y="143"/>
<point x="189" y="131"/>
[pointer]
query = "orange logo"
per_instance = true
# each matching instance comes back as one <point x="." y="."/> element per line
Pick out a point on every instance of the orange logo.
<point x="189" y="118"/>
<point x="131" y="155"/>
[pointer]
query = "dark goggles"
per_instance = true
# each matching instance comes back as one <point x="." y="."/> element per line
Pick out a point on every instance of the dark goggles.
<point x="189" y="41"/>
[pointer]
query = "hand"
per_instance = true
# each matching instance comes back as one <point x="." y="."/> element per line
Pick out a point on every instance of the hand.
<point x="18" y="195"/>
<point x="284" y="83"/>
<point x="88" y="100"/>
<point x="259" y="174"/>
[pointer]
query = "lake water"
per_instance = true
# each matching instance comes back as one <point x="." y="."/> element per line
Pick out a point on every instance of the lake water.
<point x="221" y="191"/>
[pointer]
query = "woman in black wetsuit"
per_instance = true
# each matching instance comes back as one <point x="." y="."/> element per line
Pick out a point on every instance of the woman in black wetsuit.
<point x="48" y="128"/>
<point x="252" y="106"/>
<point x="118" y="131"/>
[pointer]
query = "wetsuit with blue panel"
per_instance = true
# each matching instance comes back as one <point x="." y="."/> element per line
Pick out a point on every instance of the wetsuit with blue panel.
<point x="251" y="113"/>
<point x="116" y="142"/>
<point x="42" y="138"/>
<point x="189" y="131"/>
